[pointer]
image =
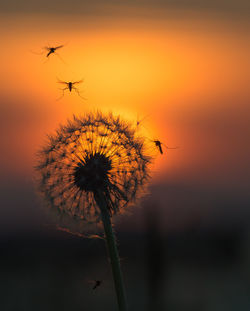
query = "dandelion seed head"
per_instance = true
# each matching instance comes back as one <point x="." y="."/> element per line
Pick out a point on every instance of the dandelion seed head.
<point x="90" y="154"/>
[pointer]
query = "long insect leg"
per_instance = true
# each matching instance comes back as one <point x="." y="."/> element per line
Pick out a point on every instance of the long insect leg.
<point x="177" y="147"/>
<point x="37" y="53"/>
<point x="46" y="60"/>
<point x="61" y="59"/>
<point x="78" y="93"/>
<point x="62" y="94"/>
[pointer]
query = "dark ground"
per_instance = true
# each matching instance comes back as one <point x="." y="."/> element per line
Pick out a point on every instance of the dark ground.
<point x="191" y="270"/>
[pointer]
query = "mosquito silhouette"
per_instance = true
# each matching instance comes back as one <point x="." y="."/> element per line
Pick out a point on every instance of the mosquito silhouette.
<point x="158" y="144"/>
<point x="139" y="121"/>
<point x="96" y="283"/>
<point x="70" y="86"/>
<point x="51" y="50"/>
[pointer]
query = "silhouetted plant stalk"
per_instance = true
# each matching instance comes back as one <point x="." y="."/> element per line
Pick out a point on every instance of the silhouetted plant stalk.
<point x="91" y="169"/>
<point x="113" y="252"/>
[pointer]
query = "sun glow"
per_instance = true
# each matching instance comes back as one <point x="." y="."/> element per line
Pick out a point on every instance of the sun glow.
<point x="160" y="71"/>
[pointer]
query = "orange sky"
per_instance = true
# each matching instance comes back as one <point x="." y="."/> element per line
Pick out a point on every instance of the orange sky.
<point x="189" y="76"/>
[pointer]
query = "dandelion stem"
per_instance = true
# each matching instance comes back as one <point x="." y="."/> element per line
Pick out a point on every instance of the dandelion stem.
<point x="113" y="252"/>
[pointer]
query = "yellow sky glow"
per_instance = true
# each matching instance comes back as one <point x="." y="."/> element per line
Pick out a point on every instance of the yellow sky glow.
<point x="135" y="72"/>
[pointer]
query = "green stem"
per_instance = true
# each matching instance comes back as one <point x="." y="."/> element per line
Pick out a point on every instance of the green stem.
<point x="113" y="252"/>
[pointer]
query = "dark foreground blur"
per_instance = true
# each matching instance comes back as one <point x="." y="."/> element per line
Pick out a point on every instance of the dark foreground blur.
<point x="191" y="270"/>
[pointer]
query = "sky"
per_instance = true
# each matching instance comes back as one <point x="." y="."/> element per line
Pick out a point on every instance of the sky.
<point x="184" y="66"/>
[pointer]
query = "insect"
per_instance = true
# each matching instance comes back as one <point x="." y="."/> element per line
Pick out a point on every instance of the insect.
<point x="70" y="86"/>
<point x="97" y="284"/>
<point x="50" y="50"/>
<point x="139" y="121"/>
<point x="159" y="144"/>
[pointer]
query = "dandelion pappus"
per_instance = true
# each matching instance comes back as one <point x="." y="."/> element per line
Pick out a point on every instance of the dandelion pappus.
<point x="92" y="190"/>
<point x="118" y="177"/>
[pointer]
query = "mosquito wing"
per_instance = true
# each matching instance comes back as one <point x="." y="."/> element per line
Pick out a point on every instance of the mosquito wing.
<point x="77" y="82"/>
<point x="62" y="82"/>
<point x="58" y="47"/>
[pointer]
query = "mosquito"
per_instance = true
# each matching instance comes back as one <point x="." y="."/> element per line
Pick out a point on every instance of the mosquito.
<point x="70" y="86"/>
<point x="139" y="121"/>
<point x="96" y="283"/>
<point x="51" y="50"/>
<point x="159" y="144"/>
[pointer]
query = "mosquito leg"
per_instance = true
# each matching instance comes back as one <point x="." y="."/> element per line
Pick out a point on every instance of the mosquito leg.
<point x="61" y="59"/>
<point x="177" y="147"/>
<point x="78" y="93"/>
<point x="62" y="94"/>
<point x="37" y="53"/>
<point x="46" y="60"/>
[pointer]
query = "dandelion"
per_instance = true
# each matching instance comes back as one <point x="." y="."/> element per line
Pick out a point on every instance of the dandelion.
<point x="92" y="169"/>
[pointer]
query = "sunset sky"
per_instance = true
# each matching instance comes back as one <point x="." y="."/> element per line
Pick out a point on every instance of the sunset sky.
<point x="186" y="68"/>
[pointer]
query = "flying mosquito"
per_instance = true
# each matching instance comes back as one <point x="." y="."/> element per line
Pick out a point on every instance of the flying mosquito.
<point x="159" y="144"/>
<point x="51" y="50"/>
<point x="139" y="121"/>
<point x="96" y="283"/>
<point x="70" y="86"/>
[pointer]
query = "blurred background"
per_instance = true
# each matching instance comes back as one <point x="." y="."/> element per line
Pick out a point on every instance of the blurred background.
<point x="182" y="67"/>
